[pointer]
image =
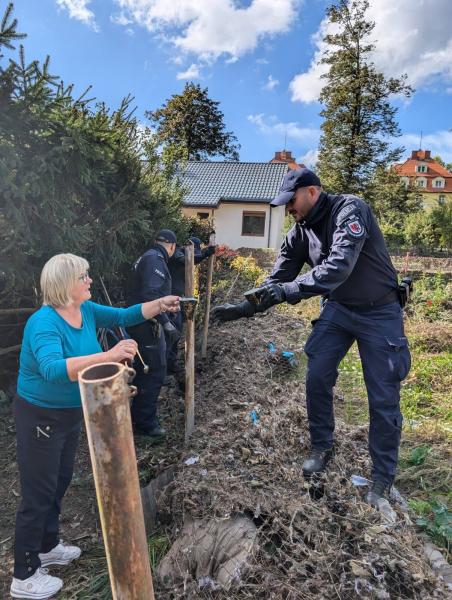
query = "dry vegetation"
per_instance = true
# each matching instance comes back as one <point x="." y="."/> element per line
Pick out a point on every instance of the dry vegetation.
<point x="314" y="541"/>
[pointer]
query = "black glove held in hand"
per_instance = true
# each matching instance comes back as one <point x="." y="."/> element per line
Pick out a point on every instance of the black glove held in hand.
<point x="209" y="251"/>
<point x="171" y="333"/>
<point x="268" y="295"/>
<point x="231" y="312"/>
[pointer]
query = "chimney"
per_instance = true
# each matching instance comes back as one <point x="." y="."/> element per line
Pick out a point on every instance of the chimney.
<point x="283" y="156"/>
<point x="421" y="154"/>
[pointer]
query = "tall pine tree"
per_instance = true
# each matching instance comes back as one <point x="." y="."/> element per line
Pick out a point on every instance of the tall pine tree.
<point x="359" y="120"/>
<point x="192" y="121"/>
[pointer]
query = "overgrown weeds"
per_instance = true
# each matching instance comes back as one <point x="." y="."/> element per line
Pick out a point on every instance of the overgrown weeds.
<point x="93" y="581"/>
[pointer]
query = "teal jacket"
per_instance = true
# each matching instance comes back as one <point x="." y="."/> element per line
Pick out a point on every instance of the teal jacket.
<point x="49" y="340"/>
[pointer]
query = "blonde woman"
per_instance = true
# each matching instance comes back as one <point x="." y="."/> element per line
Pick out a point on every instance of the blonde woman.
<point x="59" y="341"/>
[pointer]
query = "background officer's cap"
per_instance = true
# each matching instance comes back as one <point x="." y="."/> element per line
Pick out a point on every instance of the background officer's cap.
<point x="166" y="235"/>
<point x="293" y="180"/>
<point x="196" y="241"/>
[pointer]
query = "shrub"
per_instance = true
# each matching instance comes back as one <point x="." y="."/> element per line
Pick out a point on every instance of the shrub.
<point x="73" y="179"/>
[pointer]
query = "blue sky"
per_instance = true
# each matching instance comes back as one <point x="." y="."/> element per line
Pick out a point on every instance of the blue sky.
<point x="257" y="57"/>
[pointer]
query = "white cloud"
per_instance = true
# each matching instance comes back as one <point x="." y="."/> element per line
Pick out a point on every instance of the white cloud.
<point x="271" y="83"/>
<point x="191" y="73"/>
<point x="212" y="28"/>
<point x="120" y="19"/>
<point x="271" y="125"/>
<point x="439" y="142"/>
<point x="310" y="158"/>
<point x="411" y="36"/>
<point x="78" y="9"/>
<point x="262" y="61"/>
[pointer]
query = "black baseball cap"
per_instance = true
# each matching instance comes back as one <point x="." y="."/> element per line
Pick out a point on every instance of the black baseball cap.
<point x="166" y="235"/>
<point x="294" y="179"/>
<point x="196" y="241"/>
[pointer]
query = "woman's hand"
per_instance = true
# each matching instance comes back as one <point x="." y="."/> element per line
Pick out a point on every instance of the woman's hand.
<point x="124" y="350"/>
<point x="153" y="308"/>
<point x="169" y="304"/>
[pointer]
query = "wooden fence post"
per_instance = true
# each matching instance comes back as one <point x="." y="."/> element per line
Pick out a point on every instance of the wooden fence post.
<point x="205" y="327"/>
<point x="105" y="400"/>
<point x="189" y="344"/>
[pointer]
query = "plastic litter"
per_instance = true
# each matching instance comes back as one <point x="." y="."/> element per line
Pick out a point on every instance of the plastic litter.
<point x="384" y="508"/>
<point x="191" y="461"/>
<point x="395" y="495"/>
<point x="208" y="583"/>
<point x="290" y="357"/>
<point x="359" y="481"/>
<point x="286" y="354"/>
<point x="254" y="417"/>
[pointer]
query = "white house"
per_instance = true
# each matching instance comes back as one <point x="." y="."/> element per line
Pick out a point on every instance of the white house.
<point x="236" y="196"/>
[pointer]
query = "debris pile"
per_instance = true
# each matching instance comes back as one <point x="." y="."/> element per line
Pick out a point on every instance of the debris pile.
<point x="314" y="540"/>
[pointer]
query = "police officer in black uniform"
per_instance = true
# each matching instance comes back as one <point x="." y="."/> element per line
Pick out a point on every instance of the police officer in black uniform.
<point x="176" y="266"/>
<point x="150" y="279"/>
<point x="339" y="238"/>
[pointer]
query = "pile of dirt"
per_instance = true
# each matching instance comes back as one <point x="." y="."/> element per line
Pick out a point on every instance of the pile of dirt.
<point x="316" y="540"/>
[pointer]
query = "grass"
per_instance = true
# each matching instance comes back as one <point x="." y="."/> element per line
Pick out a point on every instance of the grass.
<point x="426" y="402"/>
<point x="92" y="580"/>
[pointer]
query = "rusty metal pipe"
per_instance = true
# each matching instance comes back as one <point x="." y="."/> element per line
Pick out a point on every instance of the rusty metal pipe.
<point x="105" y="399"/>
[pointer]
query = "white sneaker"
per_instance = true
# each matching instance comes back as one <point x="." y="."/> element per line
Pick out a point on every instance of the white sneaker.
<point x="39" y="586"/>
<point x="60" y="555"/>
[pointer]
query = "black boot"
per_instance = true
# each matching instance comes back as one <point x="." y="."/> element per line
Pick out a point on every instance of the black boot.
<point x="376" y="493"/>
<point x="155" y="432"/>
<point x="316" y="462"/>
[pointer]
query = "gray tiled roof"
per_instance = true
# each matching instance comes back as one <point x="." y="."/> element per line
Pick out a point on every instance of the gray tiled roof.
<point x="209" y="182"/>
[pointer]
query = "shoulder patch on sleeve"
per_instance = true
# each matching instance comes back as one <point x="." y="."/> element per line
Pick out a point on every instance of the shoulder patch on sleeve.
<point x="344" y="212"/>
<point x="354" y="226"/>
<point x="158" y="272"/>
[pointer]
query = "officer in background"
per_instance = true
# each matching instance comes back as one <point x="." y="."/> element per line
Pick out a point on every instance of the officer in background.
<point x="176" y="267"/>
<point x="150" y="279"/>
<point x="338" y="237"/>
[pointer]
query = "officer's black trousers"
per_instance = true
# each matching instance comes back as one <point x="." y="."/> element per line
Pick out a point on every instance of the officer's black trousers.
<point x="152" y="347"/>
<point x="172" y="349"/>
<point x="385" y="358"/>
<point x="47" y="440"/>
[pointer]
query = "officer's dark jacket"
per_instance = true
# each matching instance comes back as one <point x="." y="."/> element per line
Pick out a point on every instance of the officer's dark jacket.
<point x="150" y="279"/>
<point x="176" y="267"/>
<point x="341" y="241"/>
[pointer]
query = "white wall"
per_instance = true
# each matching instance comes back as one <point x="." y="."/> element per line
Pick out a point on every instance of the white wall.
<point x="228" y="224"/>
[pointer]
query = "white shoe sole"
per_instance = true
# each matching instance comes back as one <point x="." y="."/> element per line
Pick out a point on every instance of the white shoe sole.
<point x="57" y="562"/>
<point x="50" y="561"/>
<point x="34" y="596"/>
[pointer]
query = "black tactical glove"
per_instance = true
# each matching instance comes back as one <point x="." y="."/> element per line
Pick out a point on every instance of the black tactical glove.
<point x="172" y="335"/>
<point x="231" y="312"/>
<point x="268" y="295"/>
<point x="209" y="251"/>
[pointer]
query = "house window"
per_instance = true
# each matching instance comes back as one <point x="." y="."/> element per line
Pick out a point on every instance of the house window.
<point x="253" y="223"/>
<point x="202" y="215"/>
<point x="439" y="183"/>
<point x="421" y="169"/>
<point x="442" y="200"/>
<point x="420" y="182"/>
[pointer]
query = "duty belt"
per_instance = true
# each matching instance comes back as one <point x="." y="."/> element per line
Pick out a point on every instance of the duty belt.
<point x="391" y="296"/>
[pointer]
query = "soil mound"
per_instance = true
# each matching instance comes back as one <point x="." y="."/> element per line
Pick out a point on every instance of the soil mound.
<point x="316" y="540"/>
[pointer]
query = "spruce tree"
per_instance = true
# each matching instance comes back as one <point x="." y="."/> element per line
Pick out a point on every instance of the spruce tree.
<point x="192" y="121"/>
<point x="359" y="120"/>
<point x="72" y="179"/>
